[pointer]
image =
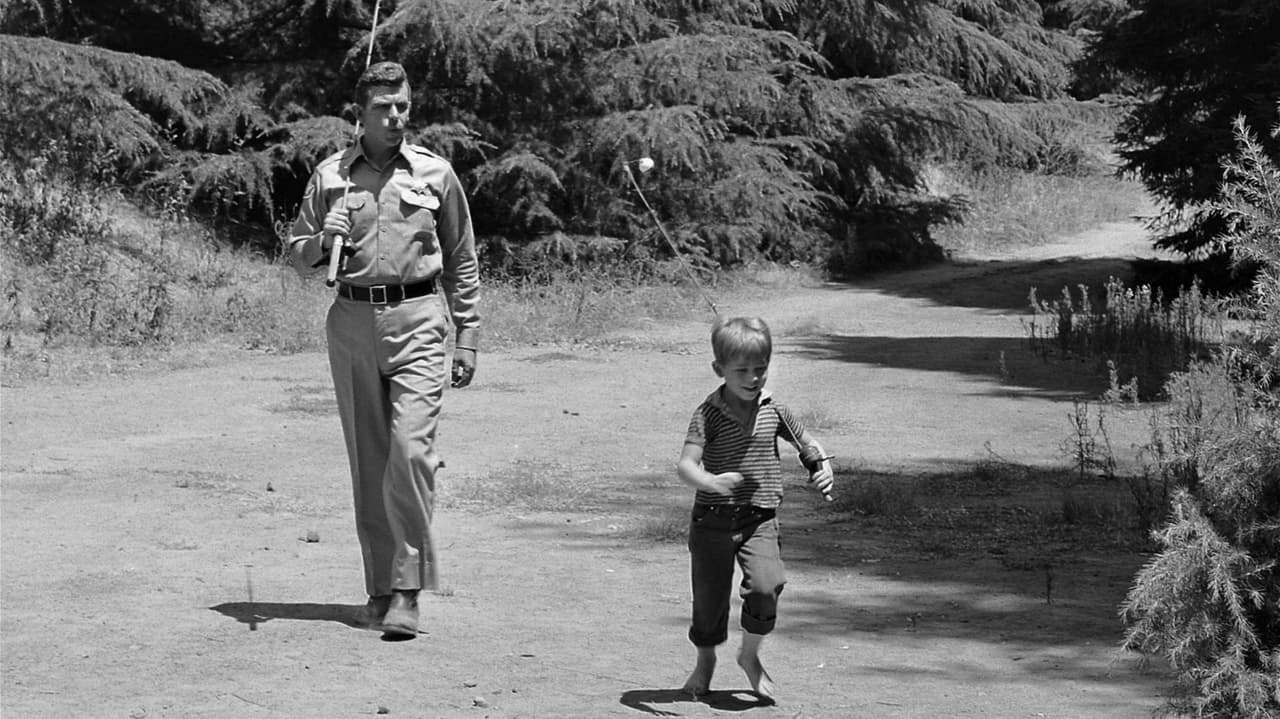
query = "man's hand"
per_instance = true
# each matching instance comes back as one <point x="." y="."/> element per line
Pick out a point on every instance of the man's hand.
<point x="464" y="366"/>
<point x="336" y="224"/>
<point x="723" y="483"/>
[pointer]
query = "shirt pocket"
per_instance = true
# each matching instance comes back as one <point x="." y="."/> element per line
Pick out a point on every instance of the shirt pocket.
<point x="417" y="200"/>
<point x="419" y="207"/>
<point x="354" y="199"/>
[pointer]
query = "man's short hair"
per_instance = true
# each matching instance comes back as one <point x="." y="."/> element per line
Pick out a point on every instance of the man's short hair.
<point x="741" y="337"/>
<point x="379" y="74"/>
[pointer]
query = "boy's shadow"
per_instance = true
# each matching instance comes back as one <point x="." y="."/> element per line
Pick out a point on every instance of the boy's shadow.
<point x="255" y="613"/>
<point x="645" y="700"/>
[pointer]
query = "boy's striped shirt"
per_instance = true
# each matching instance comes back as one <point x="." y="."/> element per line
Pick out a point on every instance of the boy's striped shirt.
<point x="728" y="446"/>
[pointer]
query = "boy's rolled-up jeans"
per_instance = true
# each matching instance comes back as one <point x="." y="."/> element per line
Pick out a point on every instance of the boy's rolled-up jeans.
<point x="719" y="535"/>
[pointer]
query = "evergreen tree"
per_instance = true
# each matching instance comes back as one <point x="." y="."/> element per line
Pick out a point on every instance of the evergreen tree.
<point x="1193" y="67"/>
<point x="1209" y="600"/>
<point x="781" y="130"/>
<point x="765" y="145"/>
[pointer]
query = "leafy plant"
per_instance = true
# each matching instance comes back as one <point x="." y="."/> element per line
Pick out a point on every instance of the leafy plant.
<point x="780" y="131"/>
<point x="1139" y="336"/>
<point x="1210" y="599"/>
<point x="1191" y="68"/>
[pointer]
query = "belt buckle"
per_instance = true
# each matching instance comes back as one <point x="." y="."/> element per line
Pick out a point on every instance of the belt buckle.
<point x="374" y="291"/>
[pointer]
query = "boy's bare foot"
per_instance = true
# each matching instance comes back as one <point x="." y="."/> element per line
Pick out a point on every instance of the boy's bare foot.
<point x="699" y="682"/>
<point x="749" y="660"/>
<point x="761" y="682"/>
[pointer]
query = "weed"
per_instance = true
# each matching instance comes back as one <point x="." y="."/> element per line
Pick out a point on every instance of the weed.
<point x="1089" y="446"/>
<point x="1133" y="332"/>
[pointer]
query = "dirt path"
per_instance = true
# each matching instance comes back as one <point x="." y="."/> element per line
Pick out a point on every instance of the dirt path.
<point x="155" y="562"/>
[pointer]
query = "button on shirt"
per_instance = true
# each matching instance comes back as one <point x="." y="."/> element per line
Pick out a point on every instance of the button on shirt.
<point x="409" y="222"/>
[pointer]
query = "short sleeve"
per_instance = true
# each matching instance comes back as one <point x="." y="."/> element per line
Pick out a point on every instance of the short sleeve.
<point x="697" y="433"/>
<point x="789" y="426"/>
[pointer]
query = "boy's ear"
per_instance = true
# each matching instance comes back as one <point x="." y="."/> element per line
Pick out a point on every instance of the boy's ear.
<point x="716" y="367"/>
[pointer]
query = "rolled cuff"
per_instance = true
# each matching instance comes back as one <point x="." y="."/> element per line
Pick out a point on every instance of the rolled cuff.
<point x="468" y="337"/>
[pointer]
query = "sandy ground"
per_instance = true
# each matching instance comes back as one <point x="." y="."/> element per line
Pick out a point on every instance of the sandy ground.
<point x="155" y="562"/>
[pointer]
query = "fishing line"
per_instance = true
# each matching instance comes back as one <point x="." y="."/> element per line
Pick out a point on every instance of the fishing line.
<point x="645" y="165"/>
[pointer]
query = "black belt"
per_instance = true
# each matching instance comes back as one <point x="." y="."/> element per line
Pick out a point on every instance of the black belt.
<point x="387" y="294"/>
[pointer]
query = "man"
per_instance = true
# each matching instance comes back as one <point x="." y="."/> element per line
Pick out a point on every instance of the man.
<point x="405" y="227"/>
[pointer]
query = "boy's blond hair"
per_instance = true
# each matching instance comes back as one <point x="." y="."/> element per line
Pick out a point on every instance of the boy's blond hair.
<point x="741" y="338"/>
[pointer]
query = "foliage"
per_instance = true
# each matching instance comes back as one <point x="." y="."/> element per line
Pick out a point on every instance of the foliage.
<point x="1141" y="336"/>
<point x="1250" y="205"/>
<point x="96" y="106"/>
<point x="1192" y="67"/>
<point x="1012" y="209"/>
<point x="56" y="235"/>
<point x="1210" y="599"/>
<point x="780" y="130"/>
<point x="989" y="48"/>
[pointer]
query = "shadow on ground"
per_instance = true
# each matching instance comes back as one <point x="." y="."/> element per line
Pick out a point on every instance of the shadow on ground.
<point x="1008" y="361"/>
<point x="1036" y="560"/>
<point x="651" y="701"/>
<point x="255" y="613"/>
<point x="1000" y="284"/>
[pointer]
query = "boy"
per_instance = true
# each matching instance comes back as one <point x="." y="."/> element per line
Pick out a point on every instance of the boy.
<point x="731" y="457"/>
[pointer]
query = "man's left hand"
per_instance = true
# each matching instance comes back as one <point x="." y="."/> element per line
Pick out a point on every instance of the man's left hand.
<point x="464" y="367"/>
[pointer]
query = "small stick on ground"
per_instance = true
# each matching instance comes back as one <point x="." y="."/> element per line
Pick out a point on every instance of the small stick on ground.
<point x="248" y="578"/>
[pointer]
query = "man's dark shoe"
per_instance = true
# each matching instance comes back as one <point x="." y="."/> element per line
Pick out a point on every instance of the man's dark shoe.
<point x="401" y="619"/>
<point x="376" y="610"/>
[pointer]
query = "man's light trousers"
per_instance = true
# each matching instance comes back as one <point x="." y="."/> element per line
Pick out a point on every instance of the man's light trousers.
<point x="388" y="364"/>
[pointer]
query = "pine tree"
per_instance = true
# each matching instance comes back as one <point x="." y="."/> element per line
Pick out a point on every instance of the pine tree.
<point x="780" y="129"/>
<point x="1192" y="68"/>
<point x="765" y="145"/>
<point x="1210" y="598"/>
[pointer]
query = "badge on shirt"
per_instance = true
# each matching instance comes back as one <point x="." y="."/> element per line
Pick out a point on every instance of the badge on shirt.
<point x="420" y="194"/>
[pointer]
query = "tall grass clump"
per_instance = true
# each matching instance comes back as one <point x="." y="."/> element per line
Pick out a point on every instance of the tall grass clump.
<point x="582" y="304"/>
<point x="1137" y="334"/>
<point x="1009" y="209"/>
<point x="1209" y="600"/>
<point x="87" y="272"/>
<point x="61" y="278"/>
<point x="84" y="269"/>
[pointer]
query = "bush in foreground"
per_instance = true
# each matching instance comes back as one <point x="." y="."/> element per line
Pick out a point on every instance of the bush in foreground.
<point x="1209" y="600"/>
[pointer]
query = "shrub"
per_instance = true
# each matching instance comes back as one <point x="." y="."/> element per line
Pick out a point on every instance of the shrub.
<point x="1210" y="598"/>
<point x="1136" y="333"/>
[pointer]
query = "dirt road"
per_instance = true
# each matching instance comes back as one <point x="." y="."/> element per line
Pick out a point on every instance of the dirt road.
<point x="156" y="564"/>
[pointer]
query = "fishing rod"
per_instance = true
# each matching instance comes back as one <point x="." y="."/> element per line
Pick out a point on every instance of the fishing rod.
<point x="336" y="259"/>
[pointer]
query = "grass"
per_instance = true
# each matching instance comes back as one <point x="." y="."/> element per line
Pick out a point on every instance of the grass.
<point x="138" y="291"/>
<point x="1011" y="210"/>
<point x="1136" y="334"/>
<point x="529" y="486"/>
<point x="670" y="525"/>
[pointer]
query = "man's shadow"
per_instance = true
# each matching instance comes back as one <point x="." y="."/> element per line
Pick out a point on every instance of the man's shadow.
<point x="647" y="700"/>
<point x="255" y="613"/>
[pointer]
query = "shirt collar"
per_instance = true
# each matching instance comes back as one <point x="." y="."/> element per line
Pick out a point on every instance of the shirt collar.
<point x="356" y="151"/>
<point x="716" y="399"/>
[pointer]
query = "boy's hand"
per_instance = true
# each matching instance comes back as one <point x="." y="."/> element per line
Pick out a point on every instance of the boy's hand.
<point x="824" y="479"/>
<point x="724" y="483"/>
